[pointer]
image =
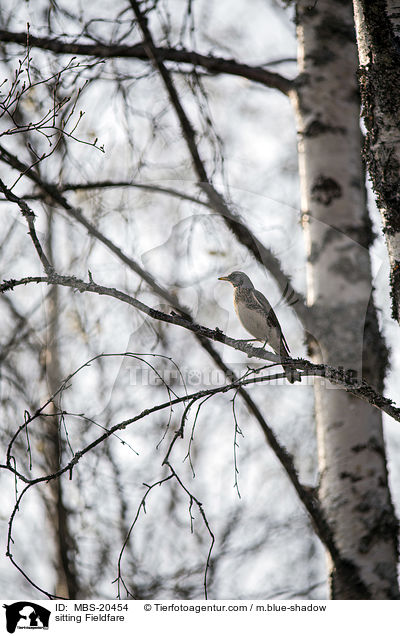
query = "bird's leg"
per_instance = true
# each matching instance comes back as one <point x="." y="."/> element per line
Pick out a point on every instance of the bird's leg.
<point x="257" y="340"/>
<point x="249" y="340"/>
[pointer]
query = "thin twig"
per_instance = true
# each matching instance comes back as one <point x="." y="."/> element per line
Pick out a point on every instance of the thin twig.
<point x="245" y="236"/>
<point x="358" y="388"/>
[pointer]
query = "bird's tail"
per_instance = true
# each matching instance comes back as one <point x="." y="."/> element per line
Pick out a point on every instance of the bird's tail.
<point x="292" y="374"/>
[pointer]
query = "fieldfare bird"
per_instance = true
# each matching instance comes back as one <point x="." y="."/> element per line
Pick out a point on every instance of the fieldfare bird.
<point x="258" y="318"/>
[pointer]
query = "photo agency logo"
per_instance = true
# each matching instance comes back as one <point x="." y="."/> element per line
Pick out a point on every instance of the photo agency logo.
<point x="26" y="615"/>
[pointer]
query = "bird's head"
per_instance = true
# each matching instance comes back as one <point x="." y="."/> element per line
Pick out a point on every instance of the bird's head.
<point x="238" y="279"/>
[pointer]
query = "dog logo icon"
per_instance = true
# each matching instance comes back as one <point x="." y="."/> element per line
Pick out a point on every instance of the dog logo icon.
<point x="26" y="615"/>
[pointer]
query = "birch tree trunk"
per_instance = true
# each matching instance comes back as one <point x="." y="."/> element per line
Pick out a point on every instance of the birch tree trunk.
<point x="354" y="489"/>
<point x="378" y="30"/>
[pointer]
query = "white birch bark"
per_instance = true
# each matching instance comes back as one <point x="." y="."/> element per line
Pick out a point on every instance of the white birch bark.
<point x="378" y="30"/>
<point x="353" y="477"/>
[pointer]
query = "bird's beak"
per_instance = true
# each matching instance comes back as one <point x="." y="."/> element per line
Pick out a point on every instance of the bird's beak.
<point x="224" y="278"/>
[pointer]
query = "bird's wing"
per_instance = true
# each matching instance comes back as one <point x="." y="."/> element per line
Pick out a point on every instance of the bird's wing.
<point x="263" y="302"/>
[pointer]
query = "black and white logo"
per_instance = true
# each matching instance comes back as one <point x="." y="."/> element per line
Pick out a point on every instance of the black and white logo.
<point x="26" y="615"/>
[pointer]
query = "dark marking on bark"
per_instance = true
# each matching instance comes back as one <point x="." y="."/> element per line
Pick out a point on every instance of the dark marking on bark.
<point x="346" y="583"/>
<point x="313" y="348"/>
<point x="360" y="234"/>
<point x="317" y="128"/>
<point x="352" y="477"/>
<point x="317" y="248"/>
<point x="375" y="351"/>
<point x="333" y="27"/>
<point x="395" y="288"/>
<point x="372" y="445"/>
<point x="305" y="12"/>
<point x="345" y="266"/>
<point x="357" y="183"/>
<point x="364" y="507"/>
<point x="382" y="526"/>
<point x="325" y="190"/>
<point x="383" y="571"/>
<point x="321" y="56"/>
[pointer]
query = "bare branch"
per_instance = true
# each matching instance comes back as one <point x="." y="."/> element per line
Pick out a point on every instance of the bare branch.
<point x="311" y="502"/>
<point x="30" y="218"/>
<point x="270" y="437"/>
<point x="101" y="185"/>
<point x="339" y="377"/>
<point x="138" y="51"/>
<point x="263" y="255"/>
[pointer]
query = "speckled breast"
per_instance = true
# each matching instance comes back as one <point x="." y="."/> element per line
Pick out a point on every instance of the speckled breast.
<point x="253" y="319"/>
